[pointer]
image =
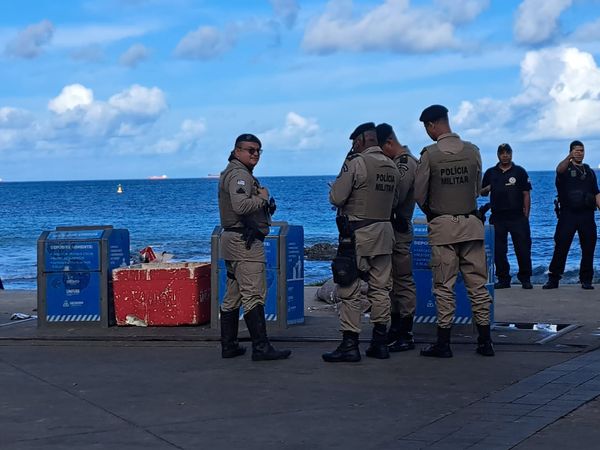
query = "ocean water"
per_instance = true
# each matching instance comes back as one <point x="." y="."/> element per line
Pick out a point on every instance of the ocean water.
<point x="179" y="215"/>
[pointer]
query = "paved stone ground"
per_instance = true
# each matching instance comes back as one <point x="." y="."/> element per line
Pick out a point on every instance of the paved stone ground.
<point x="176" y="392"/>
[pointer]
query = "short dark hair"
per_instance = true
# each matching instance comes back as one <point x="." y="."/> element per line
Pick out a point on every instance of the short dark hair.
<point x="575" y="144"/>
<point x="504" y="148"/>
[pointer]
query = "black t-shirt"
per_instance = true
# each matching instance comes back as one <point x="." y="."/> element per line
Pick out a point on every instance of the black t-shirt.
<point x="577" y="188"/>
<point x="506" y="196"/>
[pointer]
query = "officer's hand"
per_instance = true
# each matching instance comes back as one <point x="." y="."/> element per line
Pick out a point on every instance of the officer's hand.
<point x="264" y="193"/>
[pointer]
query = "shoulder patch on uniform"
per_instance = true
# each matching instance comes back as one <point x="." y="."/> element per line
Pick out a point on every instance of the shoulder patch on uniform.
<point x="403" y="159"/>
<point x="241" y="182"/>
<point x="240" y="191"/>
<point x="345" y="168"/>
<point x="352" y="156"/>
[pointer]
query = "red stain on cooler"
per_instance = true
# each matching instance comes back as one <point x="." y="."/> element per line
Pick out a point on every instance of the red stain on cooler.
<point x="167" y="294"/>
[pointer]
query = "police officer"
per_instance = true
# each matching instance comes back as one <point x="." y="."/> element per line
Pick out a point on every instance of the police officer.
<point x="364" y="193"/>
<point x="245" y="213"/>
<point x="447" y="185"/>
<point x="404" y="292"/>
<point x="511" y="201"/>
<point x="578" y="197"/>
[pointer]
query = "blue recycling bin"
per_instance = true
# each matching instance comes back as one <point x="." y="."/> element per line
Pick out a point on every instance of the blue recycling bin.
<point x="421" y="256"/>
<point x="284" y="254"/>
<point x="74" y="274"/>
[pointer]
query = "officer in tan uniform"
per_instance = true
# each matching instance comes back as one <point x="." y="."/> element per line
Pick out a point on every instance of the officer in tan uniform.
<point x="245" y="212"/>
<point x="404" y="291"/>
<point x="447" y="184"/>
<point x="364" y="193"/>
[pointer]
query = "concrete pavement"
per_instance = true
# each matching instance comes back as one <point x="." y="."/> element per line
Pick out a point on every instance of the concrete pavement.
<point x="164" y="388"/>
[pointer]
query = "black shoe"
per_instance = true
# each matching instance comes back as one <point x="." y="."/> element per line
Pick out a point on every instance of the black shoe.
<point x="262" y="350"/>
<point x="526" y="285"/>
<point x="550" y="284"/>
<point x="485" y="346"/>
<point x="347" y="351"/>
<point x="441" y="349"/>
<point x="587" y="286"/>
<point x="437" y="351"/>
<point x="378" y="347"/>
<point x="230" y="348"/>
<point x="404" y="340"/>
<point x="502" y="285"/>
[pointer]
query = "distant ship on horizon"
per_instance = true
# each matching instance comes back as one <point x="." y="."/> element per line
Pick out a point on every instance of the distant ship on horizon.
<point x="158" y="177"/>
<point x="213" y="175"/>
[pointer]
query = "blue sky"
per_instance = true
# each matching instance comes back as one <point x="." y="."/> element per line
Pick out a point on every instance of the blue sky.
<point x="119" y="89"/>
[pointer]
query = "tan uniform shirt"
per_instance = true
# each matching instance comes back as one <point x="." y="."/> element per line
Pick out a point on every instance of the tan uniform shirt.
<point x="238" y="196"/>
<point x="407" y="166"/>
<point x="448" y="229"/>
<point x="374" y="239"/>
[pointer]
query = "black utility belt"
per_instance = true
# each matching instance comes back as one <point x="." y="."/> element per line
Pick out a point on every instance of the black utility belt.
<point x="241" y="230"/>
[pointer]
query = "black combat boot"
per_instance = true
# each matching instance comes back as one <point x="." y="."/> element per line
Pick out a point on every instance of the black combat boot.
<point x="347" y="351"/>
<point x="262" y="350"/>
<point x="378" y="347"/>
<point x="395" y="328"/>
<point x="485" y="346"/>
<point x="230" y="348"/>
<point x="441" y="349"/>
<point x="404" y="340"/>
<point x="552" y="282"/>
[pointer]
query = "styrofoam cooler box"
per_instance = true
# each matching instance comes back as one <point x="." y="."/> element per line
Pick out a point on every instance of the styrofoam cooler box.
<point x="162" y="294"/>
<point x="421" y="256"/>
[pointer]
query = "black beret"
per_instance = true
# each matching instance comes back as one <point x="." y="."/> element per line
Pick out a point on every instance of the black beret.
<point x="361" y="129"/>
<point x="384" y="131"/>
<point x="504" y="148"/>
<point x="247" y="137"/>
<point x="433" y="113"/>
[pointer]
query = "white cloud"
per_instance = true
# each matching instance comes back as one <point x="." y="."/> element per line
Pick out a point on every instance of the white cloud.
<point x="205" y="43"/>
<point x="286" y="11"/>
<point x="560" y="99"/>
<point x="537" y="20"/>
<point x="14" y="118"/>
<point x="71" y="97"/>
<point x="124" y="114"/>
<point x="29" y="42"/>
<point x="298" y="133"/>
<point x="134" y="55"/>
<point x="187" y="137"/>
<point x="91" y="34"/>
<point x="392" y="26"/>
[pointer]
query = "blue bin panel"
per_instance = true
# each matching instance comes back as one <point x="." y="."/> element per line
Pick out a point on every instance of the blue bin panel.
<point x="118" y="249"/>
<point x="426" y="310"/>
<point x="71" y="256"/>
<point x="295" y="302"/>
<point x="73" y="297"/>
<point x="271" y="300"/>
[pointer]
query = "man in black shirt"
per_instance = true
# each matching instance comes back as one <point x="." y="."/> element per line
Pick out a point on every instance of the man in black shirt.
<point x="578" y="197"/>
<point x="510" y="201"/>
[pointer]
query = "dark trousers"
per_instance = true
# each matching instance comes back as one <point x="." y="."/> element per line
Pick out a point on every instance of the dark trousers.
<point x="570" y="222"/>
<point x="519" y="230"/>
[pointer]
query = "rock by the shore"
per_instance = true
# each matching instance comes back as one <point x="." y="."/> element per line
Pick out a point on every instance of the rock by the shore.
<point x="321" y="251"/>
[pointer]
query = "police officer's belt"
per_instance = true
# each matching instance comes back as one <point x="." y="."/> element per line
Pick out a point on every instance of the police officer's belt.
<point x="357" y="224"/>
<point x="475" y="213"/>
<point x="258" y="235"/>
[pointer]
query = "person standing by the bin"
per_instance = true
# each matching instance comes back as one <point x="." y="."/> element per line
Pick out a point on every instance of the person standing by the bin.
<point x="404" y="292"/>
<point x="578" y="197"/>
<point x="364" y="193"/>
<point x="509" y="188"/>
<point x="447" y="185"/>
<point x="245" y="212"/>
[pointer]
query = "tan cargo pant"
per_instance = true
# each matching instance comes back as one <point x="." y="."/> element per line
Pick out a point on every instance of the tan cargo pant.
<point x="379" y="269"/>
<point x="248" y="288"/>
<point x="404" y="291"/>
<point x="446" y="261"/>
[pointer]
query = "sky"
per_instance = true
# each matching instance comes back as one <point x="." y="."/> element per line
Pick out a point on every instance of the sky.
<point x="128" y="89"/>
